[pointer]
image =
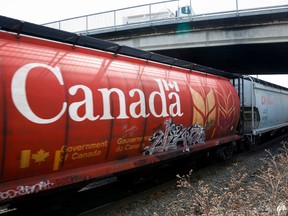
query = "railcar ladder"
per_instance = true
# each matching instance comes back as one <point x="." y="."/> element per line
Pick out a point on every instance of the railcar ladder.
<point x="238" y="84"/>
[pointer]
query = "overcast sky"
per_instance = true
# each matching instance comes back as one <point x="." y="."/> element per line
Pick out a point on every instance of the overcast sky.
<point x="39" y="12"/>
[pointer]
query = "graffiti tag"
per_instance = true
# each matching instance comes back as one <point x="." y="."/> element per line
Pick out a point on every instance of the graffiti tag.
<point x="173" y="136"/>
<point x="25" y="190"/>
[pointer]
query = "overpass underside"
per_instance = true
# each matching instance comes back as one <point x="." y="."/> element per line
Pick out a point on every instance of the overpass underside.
<point x="247" y="59"/>
<point x="254" y="43"/>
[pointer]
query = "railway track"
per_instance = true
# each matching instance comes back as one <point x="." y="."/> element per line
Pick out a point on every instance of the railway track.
<point x="102" y="210"/>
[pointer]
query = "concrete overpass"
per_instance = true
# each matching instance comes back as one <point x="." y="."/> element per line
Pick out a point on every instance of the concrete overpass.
<point x="245" y="42"/>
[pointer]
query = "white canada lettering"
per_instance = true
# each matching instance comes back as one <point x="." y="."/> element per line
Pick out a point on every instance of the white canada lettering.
<point x="175" y="106"/>
<point x="140" y="103"/>
<point x="138" y="108"/>
<point x="19" y="97"/>
<point x="107" y="106"/>
<point x="88" y="102"/>
<point x="161" y="94"/>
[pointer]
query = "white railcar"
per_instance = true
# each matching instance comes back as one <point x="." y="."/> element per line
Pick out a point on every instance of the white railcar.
<point x="265" y="107"/>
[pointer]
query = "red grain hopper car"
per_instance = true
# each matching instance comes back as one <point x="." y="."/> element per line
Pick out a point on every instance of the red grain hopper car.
<point x="72" y="112"/>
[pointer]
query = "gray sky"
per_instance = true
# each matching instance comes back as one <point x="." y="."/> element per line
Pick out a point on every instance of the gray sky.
<point x="39" y="12"/>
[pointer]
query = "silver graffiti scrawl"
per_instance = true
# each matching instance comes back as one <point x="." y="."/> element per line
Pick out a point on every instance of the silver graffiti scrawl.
<point x="171" y="136"/>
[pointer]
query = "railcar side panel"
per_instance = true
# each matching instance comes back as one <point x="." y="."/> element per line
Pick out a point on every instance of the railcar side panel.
<point x="265" y="107"/>
<point x="272" y="105"/>
<point x="2" y="118"/>
<point x="73" y="114"/>
<point x="228" y="109"/>
<point x="30" y="145"/>
<point x="128" y="129"/>
<point x="87" y="137"/>
<point x="172" y="99"/>
<point x="215" y="105"/>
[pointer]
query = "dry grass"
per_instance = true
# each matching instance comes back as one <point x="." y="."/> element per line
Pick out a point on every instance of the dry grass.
<point x="266" y="193"/>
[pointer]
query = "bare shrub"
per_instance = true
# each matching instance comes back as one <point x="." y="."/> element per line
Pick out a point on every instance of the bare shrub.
<point x="263" y="193"/>
<point x="272" y="182"/>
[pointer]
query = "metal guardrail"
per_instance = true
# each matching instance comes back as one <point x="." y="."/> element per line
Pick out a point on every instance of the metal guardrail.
<point x="160" y="13"/>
